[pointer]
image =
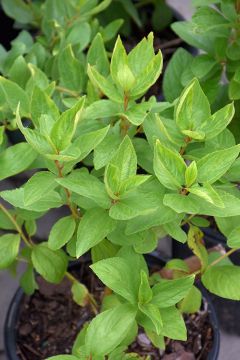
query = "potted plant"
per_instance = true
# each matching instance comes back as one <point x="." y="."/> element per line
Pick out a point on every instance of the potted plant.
<point x="129" y="170"/>
<point x="214" y="29"/>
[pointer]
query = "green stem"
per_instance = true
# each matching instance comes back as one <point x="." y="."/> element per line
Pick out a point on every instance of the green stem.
<point x="18" y="228"/>
<point x="67" y="91"/>
<point x="187" y="220"/>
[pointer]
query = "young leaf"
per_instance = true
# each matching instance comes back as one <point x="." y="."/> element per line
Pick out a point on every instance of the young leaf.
<point x="94" y="226"/>
<point x="42" y="104"/>
<point x="169" y="167"/>
<point x="51" y="265"/>
<point x="64" y="128"/>
<point x="169" y="292"/>
<point x="105" y="85"/>
<point x="61" y="232"/>
<point x="191" y="174"/>
<point x="9" y="246"/>
<point x="97" y="55"/>
<point x="223" y="281"/>
<point x="113" y="325"/>
<point x="122" y="166"/>
<point x="219" y="121"/>
<point x="80" y="293"/>
<point x="153" y="313"/>
<point x="115" y="273"/>
<point x="193" y="108"/>
<point x="211" y="167"/>
<point x="196" y="244"/>
<point x="145" y="293"/>
<point x="16" y="159"/>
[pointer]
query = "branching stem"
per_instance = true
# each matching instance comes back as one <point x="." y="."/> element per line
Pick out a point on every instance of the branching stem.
<point x="18" y="228"/>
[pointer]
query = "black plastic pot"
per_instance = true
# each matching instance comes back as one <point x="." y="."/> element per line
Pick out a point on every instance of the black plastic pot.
<point x="153" y="260"/>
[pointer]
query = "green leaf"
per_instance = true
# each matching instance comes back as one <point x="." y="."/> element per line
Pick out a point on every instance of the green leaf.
<point x="219" y="121"/>
<point x="153" y="313"/>
<point x="74" y="79"/>
<point x="121" y="168"/>
<point x="88" y="186"/>
<point x="119" y="63"/>
<point x="172" y="85"/>
<point x="202" y="65"/>
<point x="173" y="324"/>
<point x="37" y="186"/>
<point x="137" y="113"/>
<point x="80" y="293"/>
<point x="113" y="325"/>
<point x="208" y="193"/>
<point x="233" y="239"/>
<point x="147" y="77"/>
<point x="223" y="281"/>
<point x="42" y="104"/>
<point x="169" y="292"/>
<point x="87" y="142"/>
<point x="97" y="55"/>
<point x="191" y="174"/>
<point x="105" y="85"/>
<point x="9" y="246"/>
<point x="19" y="72"/>
<point x="18" y="10"/>
<point x="193" y="108"/>
<point x="94" y="226"/>
<point x="115" y="273"/>
<point x="16" y="198"/>
<point x="64" y="128"/>
<point x="28" y="282"/>
<point x="211" y="167"/>
<point x="16" y="159"/>
<point x="175" y="231"/>
<point x="190" y="204"/>
<point x="192" y="301"/>
<point x="63" y="357"/>
<point x="196" y="244"/>
<point x="11" y="95"/>
<point x="51" y="265"/>
<point x="61" y="232"/>
<point x="145" y="293"/>
<point x="169" y="167"/>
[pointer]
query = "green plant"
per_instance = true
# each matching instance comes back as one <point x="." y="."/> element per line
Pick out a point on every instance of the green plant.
<point x="130" y="171"/>
<point x="214" y="28"/>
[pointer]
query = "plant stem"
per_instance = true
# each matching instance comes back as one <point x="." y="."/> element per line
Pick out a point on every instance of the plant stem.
<point x="18" y="228"/>
<point x="228" y="253"/>
<point x="67" y="91"/>
<point x="68" y="194"/>
<point x="187" y="140"/>
<point x="187" y="220"/>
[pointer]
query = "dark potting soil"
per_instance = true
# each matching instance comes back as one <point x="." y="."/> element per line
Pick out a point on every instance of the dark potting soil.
<point x="50" y="320"/>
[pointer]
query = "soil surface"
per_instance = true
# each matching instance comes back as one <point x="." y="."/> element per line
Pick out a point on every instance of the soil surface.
<point x="50" y="321"/>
